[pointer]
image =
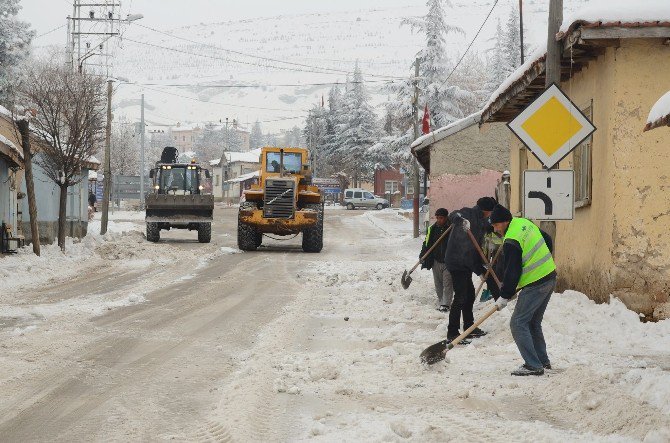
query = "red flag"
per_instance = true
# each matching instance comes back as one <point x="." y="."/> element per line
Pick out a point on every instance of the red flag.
<point x="426" y="120"/>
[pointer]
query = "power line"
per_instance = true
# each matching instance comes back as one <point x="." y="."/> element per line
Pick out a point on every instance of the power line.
<point x="49" y="32"/>
<point x="221" y="103"/>
<point x="472" y="42"/>
<point x="333" y="70"/>
<point x="258" y="85"/>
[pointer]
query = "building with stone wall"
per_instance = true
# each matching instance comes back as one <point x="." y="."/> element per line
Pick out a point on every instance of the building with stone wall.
<point x="618" y="243"/>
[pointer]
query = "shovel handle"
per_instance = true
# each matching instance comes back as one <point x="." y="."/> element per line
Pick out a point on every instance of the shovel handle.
<point x="488" y="271"/>
<point x="465" y="333"/>
<point x="486" y="260"/>
<point x="444" y="234"/>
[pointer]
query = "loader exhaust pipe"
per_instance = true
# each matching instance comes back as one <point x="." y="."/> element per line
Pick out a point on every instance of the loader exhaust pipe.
<point x="281" y="163"/>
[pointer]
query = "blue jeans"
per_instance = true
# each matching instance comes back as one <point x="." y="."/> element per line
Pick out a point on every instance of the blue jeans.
<point x="526" y="323"/>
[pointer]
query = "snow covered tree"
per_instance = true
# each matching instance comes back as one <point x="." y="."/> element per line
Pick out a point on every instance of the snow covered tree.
<point x="15" y="37"/>
<point x="512" y="42"/>
<point x="256" y="137"/>
<point x="445" y="99"/>
<point x="358" y="131"/>
<point x="125" y="155"/>
<point x="499" y="67"/>
<point x="70" y="115"/>
<point x="211" y="142"/>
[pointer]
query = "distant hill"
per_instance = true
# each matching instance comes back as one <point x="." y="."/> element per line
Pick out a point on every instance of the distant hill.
<point x="375" y="37"/>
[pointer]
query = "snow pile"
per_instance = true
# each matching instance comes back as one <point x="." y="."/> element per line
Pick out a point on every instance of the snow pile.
<point x="356" y="375"/>
<point x="660" y="110"/>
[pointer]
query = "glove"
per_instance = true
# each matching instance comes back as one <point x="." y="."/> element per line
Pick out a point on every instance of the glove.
<point x="501" y="303"/>
<point x="466" y="224"/>
<point x="486" y="295"/>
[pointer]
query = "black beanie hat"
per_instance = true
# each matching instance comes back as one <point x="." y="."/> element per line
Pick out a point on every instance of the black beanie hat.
<point x="442" y="212"/>
<point x="487" y="203"/>
<point x="500" y="214"/>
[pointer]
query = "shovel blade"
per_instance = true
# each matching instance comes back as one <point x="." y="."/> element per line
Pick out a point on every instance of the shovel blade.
<point x="405" y="280"/>
<point x="434" y="353"/>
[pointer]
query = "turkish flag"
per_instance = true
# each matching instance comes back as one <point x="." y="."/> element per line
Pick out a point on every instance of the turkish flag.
<point x="426" y="121"/>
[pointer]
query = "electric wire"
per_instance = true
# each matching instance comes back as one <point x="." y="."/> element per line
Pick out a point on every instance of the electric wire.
<point x="49" y="32"/>
<point x="472" y="42"/>
<point x="302" y="65"/>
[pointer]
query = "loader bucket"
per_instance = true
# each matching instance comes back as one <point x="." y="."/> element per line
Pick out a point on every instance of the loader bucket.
<point x="179" y="208"/>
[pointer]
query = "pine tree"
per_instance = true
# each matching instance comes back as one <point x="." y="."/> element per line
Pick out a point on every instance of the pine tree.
<point x="358" y="130"/>
<point x="256" y="136"/>
<point x="512" y="42"/>
<point x="15" y="37"/>
<point x="498" y="64"/>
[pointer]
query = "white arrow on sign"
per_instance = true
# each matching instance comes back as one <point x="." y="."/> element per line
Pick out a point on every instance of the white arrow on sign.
<point x="549" y="194"/>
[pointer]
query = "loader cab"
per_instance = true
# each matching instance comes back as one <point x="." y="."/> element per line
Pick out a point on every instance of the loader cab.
<point x="178" y="179"/>
<point x="285" y="162"/>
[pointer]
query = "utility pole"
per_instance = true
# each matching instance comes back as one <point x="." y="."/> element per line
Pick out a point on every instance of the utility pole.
<point x="24" y="129"/>
<point x="107" y="167"/>
<point x="142" y="155"/>
<point x="521" y="28"/>
<point x="415" y="119"/>
<point x="553" y="74"/>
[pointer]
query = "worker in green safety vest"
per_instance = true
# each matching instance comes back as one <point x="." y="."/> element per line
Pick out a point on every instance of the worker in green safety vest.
<point x="530" y="267"/>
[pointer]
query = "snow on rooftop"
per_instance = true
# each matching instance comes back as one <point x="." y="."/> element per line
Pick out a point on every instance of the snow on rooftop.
<point x="246" y="157"/>
<point x="446" y="131"/>
<point x="244" y="177"/>
<point x="216" y="162"/>
<point x="93" y="159"/>
<point x="615" y="11"/>
<point x="11" y="145"/>
<point x="660" y="113"/>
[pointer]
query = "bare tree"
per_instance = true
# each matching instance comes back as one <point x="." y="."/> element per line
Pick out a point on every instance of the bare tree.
<point x="69" y="119"/>
<point x="125" y="150"/>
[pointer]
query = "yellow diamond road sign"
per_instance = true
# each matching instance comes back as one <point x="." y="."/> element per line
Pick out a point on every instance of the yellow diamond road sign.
<point x="551" y="126"/>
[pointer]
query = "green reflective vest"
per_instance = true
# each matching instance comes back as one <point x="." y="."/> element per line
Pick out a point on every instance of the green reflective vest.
<point x="536" y="260"/>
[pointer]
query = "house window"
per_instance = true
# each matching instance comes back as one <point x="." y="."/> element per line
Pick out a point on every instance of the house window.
<point x="390" y="186"/>
<point x="409" y="189"/>
<point x="582" y="164"/>
<point x="216" y="180"/>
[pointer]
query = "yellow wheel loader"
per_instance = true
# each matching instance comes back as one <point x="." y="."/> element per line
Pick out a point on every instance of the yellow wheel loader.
<point x="284" y="202"/>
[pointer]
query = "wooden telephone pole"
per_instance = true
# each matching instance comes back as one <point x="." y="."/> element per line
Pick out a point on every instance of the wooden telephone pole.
<point x="107" y="182"/>
<point x="553" y="73"/>
<point x="415" y="178"/>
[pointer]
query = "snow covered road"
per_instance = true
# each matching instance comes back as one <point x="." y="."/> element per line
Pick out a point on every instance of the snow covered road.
<point x="177" y="340"/>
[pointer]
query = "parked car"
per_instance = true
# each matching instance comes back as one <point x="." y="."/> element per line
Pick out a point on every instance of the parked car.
<point x="360" y="198"/>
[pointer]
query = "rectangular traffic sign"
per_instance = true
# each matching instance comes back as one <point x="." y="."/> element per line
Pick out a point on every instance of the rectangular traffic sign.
<point x="549" y="194"/>
<point x="551" y="126"/>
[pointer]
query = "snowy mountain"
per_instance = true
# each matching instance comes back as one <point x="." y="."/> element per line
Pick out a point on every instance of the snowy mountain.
<point x="160" y="63"/>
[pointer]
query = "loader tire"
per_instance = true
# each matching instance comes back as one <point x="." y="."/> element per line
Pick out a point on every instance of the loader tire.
<point x="248" y="239"/>
<point x="153" y="232"/>
<point x="312" y="238"/>
<point x="204" y="232"/>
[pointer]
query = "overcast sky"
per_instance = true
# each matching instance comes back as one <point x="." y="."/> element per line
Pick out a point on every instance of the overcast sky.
<point x="45" y="15"/>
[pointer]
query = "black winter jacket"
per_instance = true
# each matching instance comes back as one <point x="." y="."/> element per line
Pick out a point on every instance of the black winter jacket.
<point x="461" y="254"/>
<point x="434" y="233"/>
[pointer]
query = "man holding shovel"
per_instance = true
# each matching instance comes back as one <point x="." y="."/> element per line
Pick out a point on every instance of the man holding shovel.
<point x="462" y="260"/>
<point x="435" y="261"/>
<point x="529" y="266"/>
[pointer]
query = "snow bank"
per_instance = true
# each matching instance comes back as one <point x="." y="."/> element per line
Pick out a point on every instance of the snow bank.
<point x="358" y="367"/>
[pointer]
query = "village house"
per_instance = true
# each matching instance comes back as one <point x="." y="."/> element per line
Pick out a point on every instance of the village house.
<point x="11" y="172"/>
<point x="464" y="162"/>
<point x="614" y="69"/>
<point x="233" y="173"/>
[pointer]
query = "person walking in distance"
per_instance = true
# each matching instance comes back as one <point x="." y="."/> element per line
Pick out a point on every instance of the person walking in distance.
<point x="529" y="265"/>
<point x="462" y="260"/>
<point x="435" y="261"/>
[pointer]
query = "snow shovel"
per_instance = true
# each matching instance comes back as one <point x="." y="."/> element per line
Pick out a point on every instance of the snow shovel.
<point x="437" y="352"/>
<point x="406" y="280"/>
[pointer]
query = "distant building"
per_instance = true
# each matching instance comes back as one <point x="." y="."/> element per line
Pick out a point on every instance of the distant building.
<point x="185" y="137"/>
<point x="464" y="161"/>
<point x="11" y="174"/>
<point x="231" y="173"/>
